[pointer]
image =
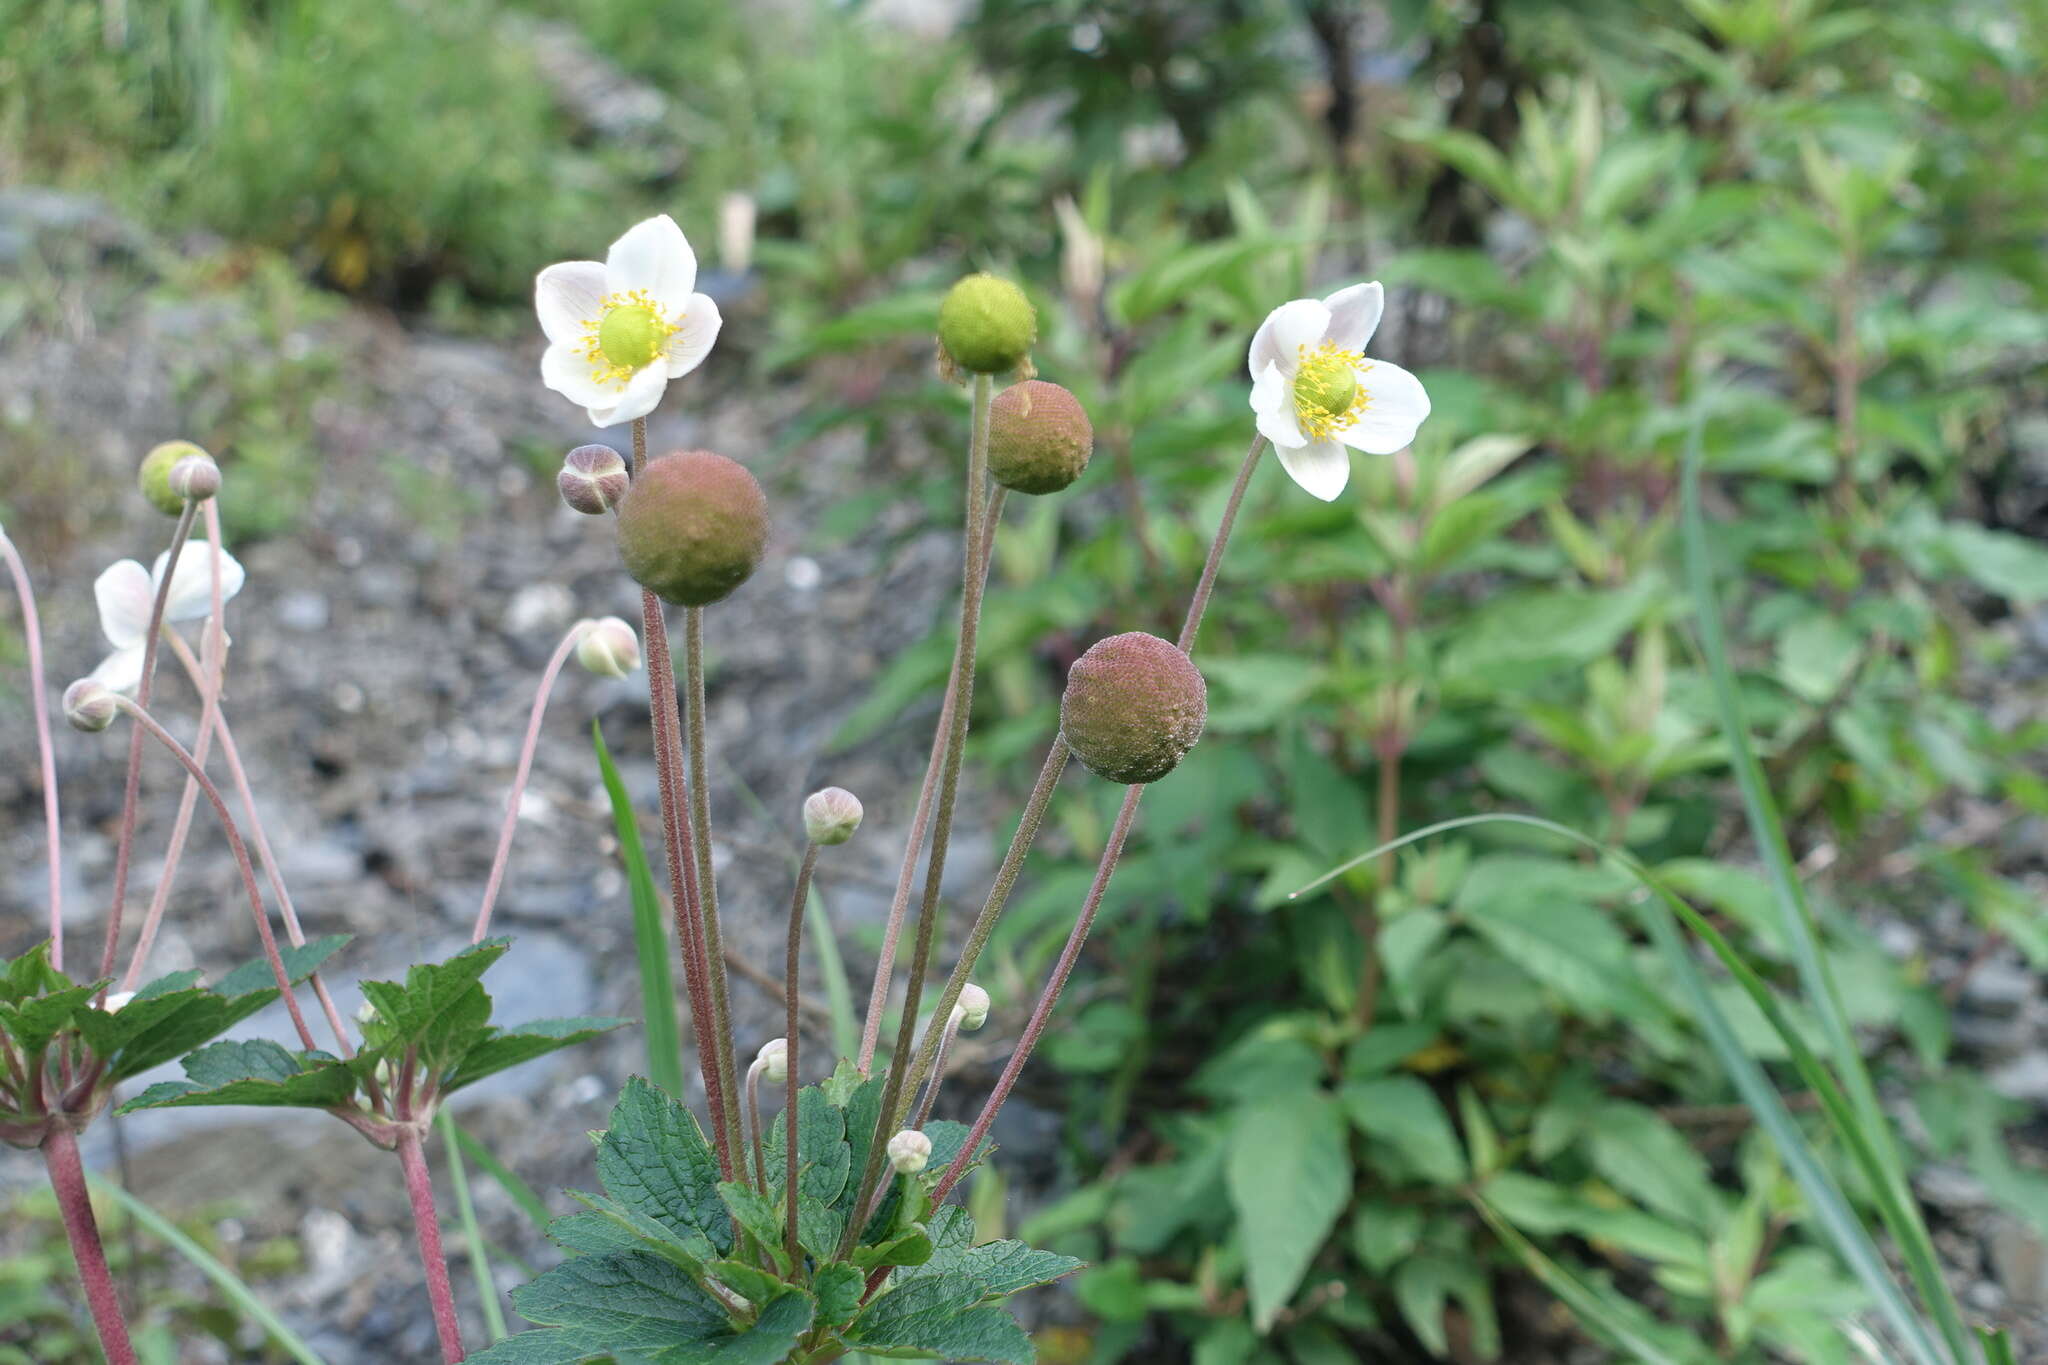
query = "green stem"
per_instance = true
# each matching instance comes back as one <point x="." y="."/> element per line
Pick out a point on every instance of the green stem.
<point x="790" y="974"/>
<point x="472" y="1234"/>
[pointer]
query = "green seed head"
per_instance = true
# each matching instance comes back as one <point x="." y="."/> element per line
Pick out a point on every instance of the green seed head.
<point x="1134" y="706"/>
<point x="692" y="526"/>
<point x="1326" y="392"/>
<point x="987" y="325"/>
<point x="155" y="475"/>
<point x="1039" y="438"/>
<point x="631" y="335"/>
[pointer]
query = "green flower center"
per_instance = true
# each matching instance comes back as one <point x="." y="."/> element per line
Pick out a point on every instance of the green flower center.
<point x="628" y="334"/>
<point x="1327" y="394"/>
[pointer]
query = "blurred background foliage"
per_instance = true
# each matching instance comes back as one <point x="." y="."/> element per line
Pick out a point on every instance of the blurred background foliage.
<point x="1815" y="228"/>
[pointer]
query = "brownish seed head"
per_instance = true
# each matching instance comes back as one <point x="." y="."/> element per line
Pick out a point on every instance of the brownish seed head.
<point x="1039" y="437"/>
<point x="1134" y="706"/>
<point x="692" y="526"/>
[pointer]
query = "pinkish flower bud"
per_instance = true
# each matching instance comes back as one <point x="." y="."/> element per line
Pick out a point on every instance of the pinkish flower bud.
<point x="692" y="527"/>
<point x="194" y="478"/>
<point x="89" y="706"/>
<point x="609" y="648"/>
<point x="593" y="479"/>
<point x="1039" y="438"/>
<point x="1134" y="705"/>
<point x="909" y="1152"/>
<point x="831" y="816"/>
<point x="155" y="475"/>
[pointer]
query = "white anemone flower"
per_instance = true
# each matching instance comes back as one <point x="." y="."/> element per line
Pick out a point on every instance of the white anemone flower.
<point x="126" y="592"/>
<point x="1314" y="392"/>
<point x="620" y="330"/>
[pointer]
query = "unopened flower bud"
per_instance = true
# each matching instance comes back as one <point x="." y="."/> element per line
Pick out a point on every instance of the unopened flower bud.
<point x="692" y="527"/>
<point x="909" y="1151"/>
<point x="973" y="1006"/>
<point x="593" y="479"/>
<point x="195" y="478"/>
<point x="89" y="706"/>
<point x="1039" y="438"/>
<point x="773" y="1059"/>
<point x="986" y="325"/>
<point x="117" y="1001"/>
<point x="155" y="475"/>
<point x="609" y="648"/>
<point x="1134" y="705"/>
<point x="831" y="816"/>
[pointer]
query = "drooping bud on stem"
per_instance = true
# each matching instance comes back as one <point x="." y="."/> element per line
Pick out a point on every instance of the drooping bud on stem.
<point x="194" y="478"/>
<point x="692" y="527"/>
<point x="89" y="706"/>
<point x="1134" y="705"/>
<point x="593" y="479"/>
<point x="773" y="1059"/>
<point x="831" y="816"/>
<point x="609" y="648"/>
<point x="909" y="1152"/>
<point x="155" y="474"/>
<point x="1039" y="438"/>
<point x="973" y="1007"/>
<point x="986" y="325"/>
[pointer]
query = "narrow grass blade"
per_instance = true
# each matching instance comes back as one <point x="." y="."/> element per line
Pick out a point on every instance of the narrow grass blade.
<point x="1817" y="981"/>
<point x="1851" y="1239"/>
<point x="229" y="1283"/>
<point x="472" y="1235"/>
<point x="650" y="933"/>
<point x="1585" y="1305"/>
<point x="832" y="967"/>
<point x="520" y="1192"/>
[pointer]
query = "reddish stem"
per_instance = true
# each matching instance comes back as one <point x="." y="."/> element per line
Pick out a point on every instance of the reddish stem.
<point x="505" y="832"/>
<point x="419" y="1188"/>
<point x="40" y="703"/>
<point x="67" y="1177"/>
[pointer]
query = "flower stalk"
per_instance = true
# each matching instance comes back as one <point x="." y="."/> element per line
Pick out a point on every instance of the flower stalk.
<point x="74" y="1202"/>
<point x="790" y="970"/>
<point x="419" y="1191"/>
<point x="39" y="703"/>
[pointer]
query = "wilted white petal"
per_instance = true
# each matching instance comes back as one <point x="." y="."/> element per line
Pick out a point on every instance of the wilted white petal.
<point x="123" y="593"/>
<point x="1286" y="329"/>
<point x="653" y="256"/>
<point x="568" y="372"/>
<point x="120" y="671"/>
<point x="567" y="296"/>
<point x="1273" y="406"/>
<point x="1322" y="467"/>
<point x="1354" y="315"/>
<point x="692" y="341"/>
<point x="1395" y="406"/>
<point x="191" y="595"/>
<point x="642" y="393"/>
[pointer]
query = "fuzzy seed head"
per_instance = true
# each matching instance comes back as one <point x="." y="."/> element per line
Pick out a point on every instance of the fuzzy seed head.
<point x="692" y="527"/>
<point x="986" y="325"/>
<point x="194" y="478"/>
<point x="831" y="816"/>
<point x="593" y="479"/>
<point x="609" y="648"/>
<point x="89" y="706"/>
<point x="973" y="1007"/>
<point x="155" y="475"/>
<point x="773" y="1059"/>
<point x="1134" y="706"/>
<point x="1039" y="438"/>
<point x="909" y="1152"/>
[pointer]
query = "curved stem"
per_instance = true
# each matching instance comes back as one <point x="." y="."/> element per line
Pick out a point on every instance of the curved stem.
<point x="700" y="832"/>
<point x="791" y="970"/>
<point x="525" y="770"/>
<point x="1207" y="584"/>
<point x="419" y="1189"/>
<point x="39" y="702"/>
<point x="67" y="1178"/>
<point x="145" y="721"/>
<point x="753" y="1088"/>
<point x="885" y="965"/>
<point x="124" y="848"/>
<point x="973" y="581"/>
<point x="181" y="827"/>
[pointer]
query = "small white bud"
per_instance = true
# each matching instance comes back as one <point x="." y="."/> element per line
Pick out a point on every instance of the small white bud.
<point x="973" y="1006"/>
<point x="609" y="648"/>
<point x="593" y="479"/>
<point x="909" y="1151"/>
<point x="831" y="816"/>
<point x="89" y="706"/>
<point x="773" y="1059"/>
<point x="117" y="1000"/>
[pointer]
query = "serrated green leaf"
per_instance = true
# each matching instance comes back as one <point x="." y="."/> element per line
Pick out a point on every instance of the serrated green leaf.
<point x="35" y="1021"/>
<point x="29" y="975"/>
<point x="936" y="1317"/>
<point x="840" y="1086"/>
<point x="750" y="1282"/>
<point x="653" y="1159"/>
<point x="913" y="1246"/>
<point x="998" y="1268"/>
<point x="1405" y="1114"/>
<point x="630" y="1301"/>
<point x="824" y="1160"/>
<point x="299" y="963"/>
<point x="1289" y="1176"/>
<point x="256" y="1072"/>
<point x="440" y="1010"/>
<point x="503" y="1048"/>
<point x="838" y="1287"/>
<point x="684" y="1251"/>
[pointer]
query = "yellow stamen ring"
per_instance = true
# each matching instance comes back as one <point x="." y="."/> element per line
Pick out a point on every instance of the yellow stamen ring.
<point x="627" y="335"/>
<point x="1327" y="393"/>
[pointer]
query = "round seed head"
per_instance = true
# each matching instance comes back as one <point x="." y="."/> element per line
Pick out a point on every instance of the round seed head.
<point x="593" y="479"/>
<point x="986" y="325"/>
<point x="973" y="1006"/>
<point x="155" y="475"/>
<point x="609" y="648"/>
<point x="773" y="1059"/>
<point x="1134" y="705"/>
<point x="909" y="1152"/>
<point x="89" y="706"/>
<point x="1039" y="438"/>
<point x="194" y="478"/>
<point x="831" y="816"/>
<point x="692" y="526"/>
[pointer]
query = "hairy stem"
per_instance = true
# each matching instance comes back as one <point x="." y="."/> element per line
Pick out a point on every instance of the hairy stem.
<point x="419" y="1189"/>
<point x="39" y="702"/>
<point x="931" y="1090"/>
<point x="885" y="965"/>
<point x="67" y="1178"/>
<point x="526" y="750"/>
<point x="973" y="579"/>
<point x="1207" y="584"/>
<point x="472" y="1232"/>
<point x="124" y="847"/>
<point x="790" y="977"/>
<point x="700" y="829"/>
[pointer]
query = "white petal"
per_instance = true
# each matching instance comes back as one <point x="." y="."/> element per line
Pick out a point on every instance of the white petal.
<point x="1322" y="467"/>
<point x="567" y="296"/>
<point x="1274" y="409"/>
<point x="191" y="596"/>
<point x="124" y="595"/>
<point x="1286" y="329"/>
<point x="568" y="372"/>
<point x="1355" y="314"/>
<point x="1394" y="407"/>
<point x="120" y="671"/>
<point x="643" y="391"/>
<point x="654" y="256"/>
<point x="688" y="347"/>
